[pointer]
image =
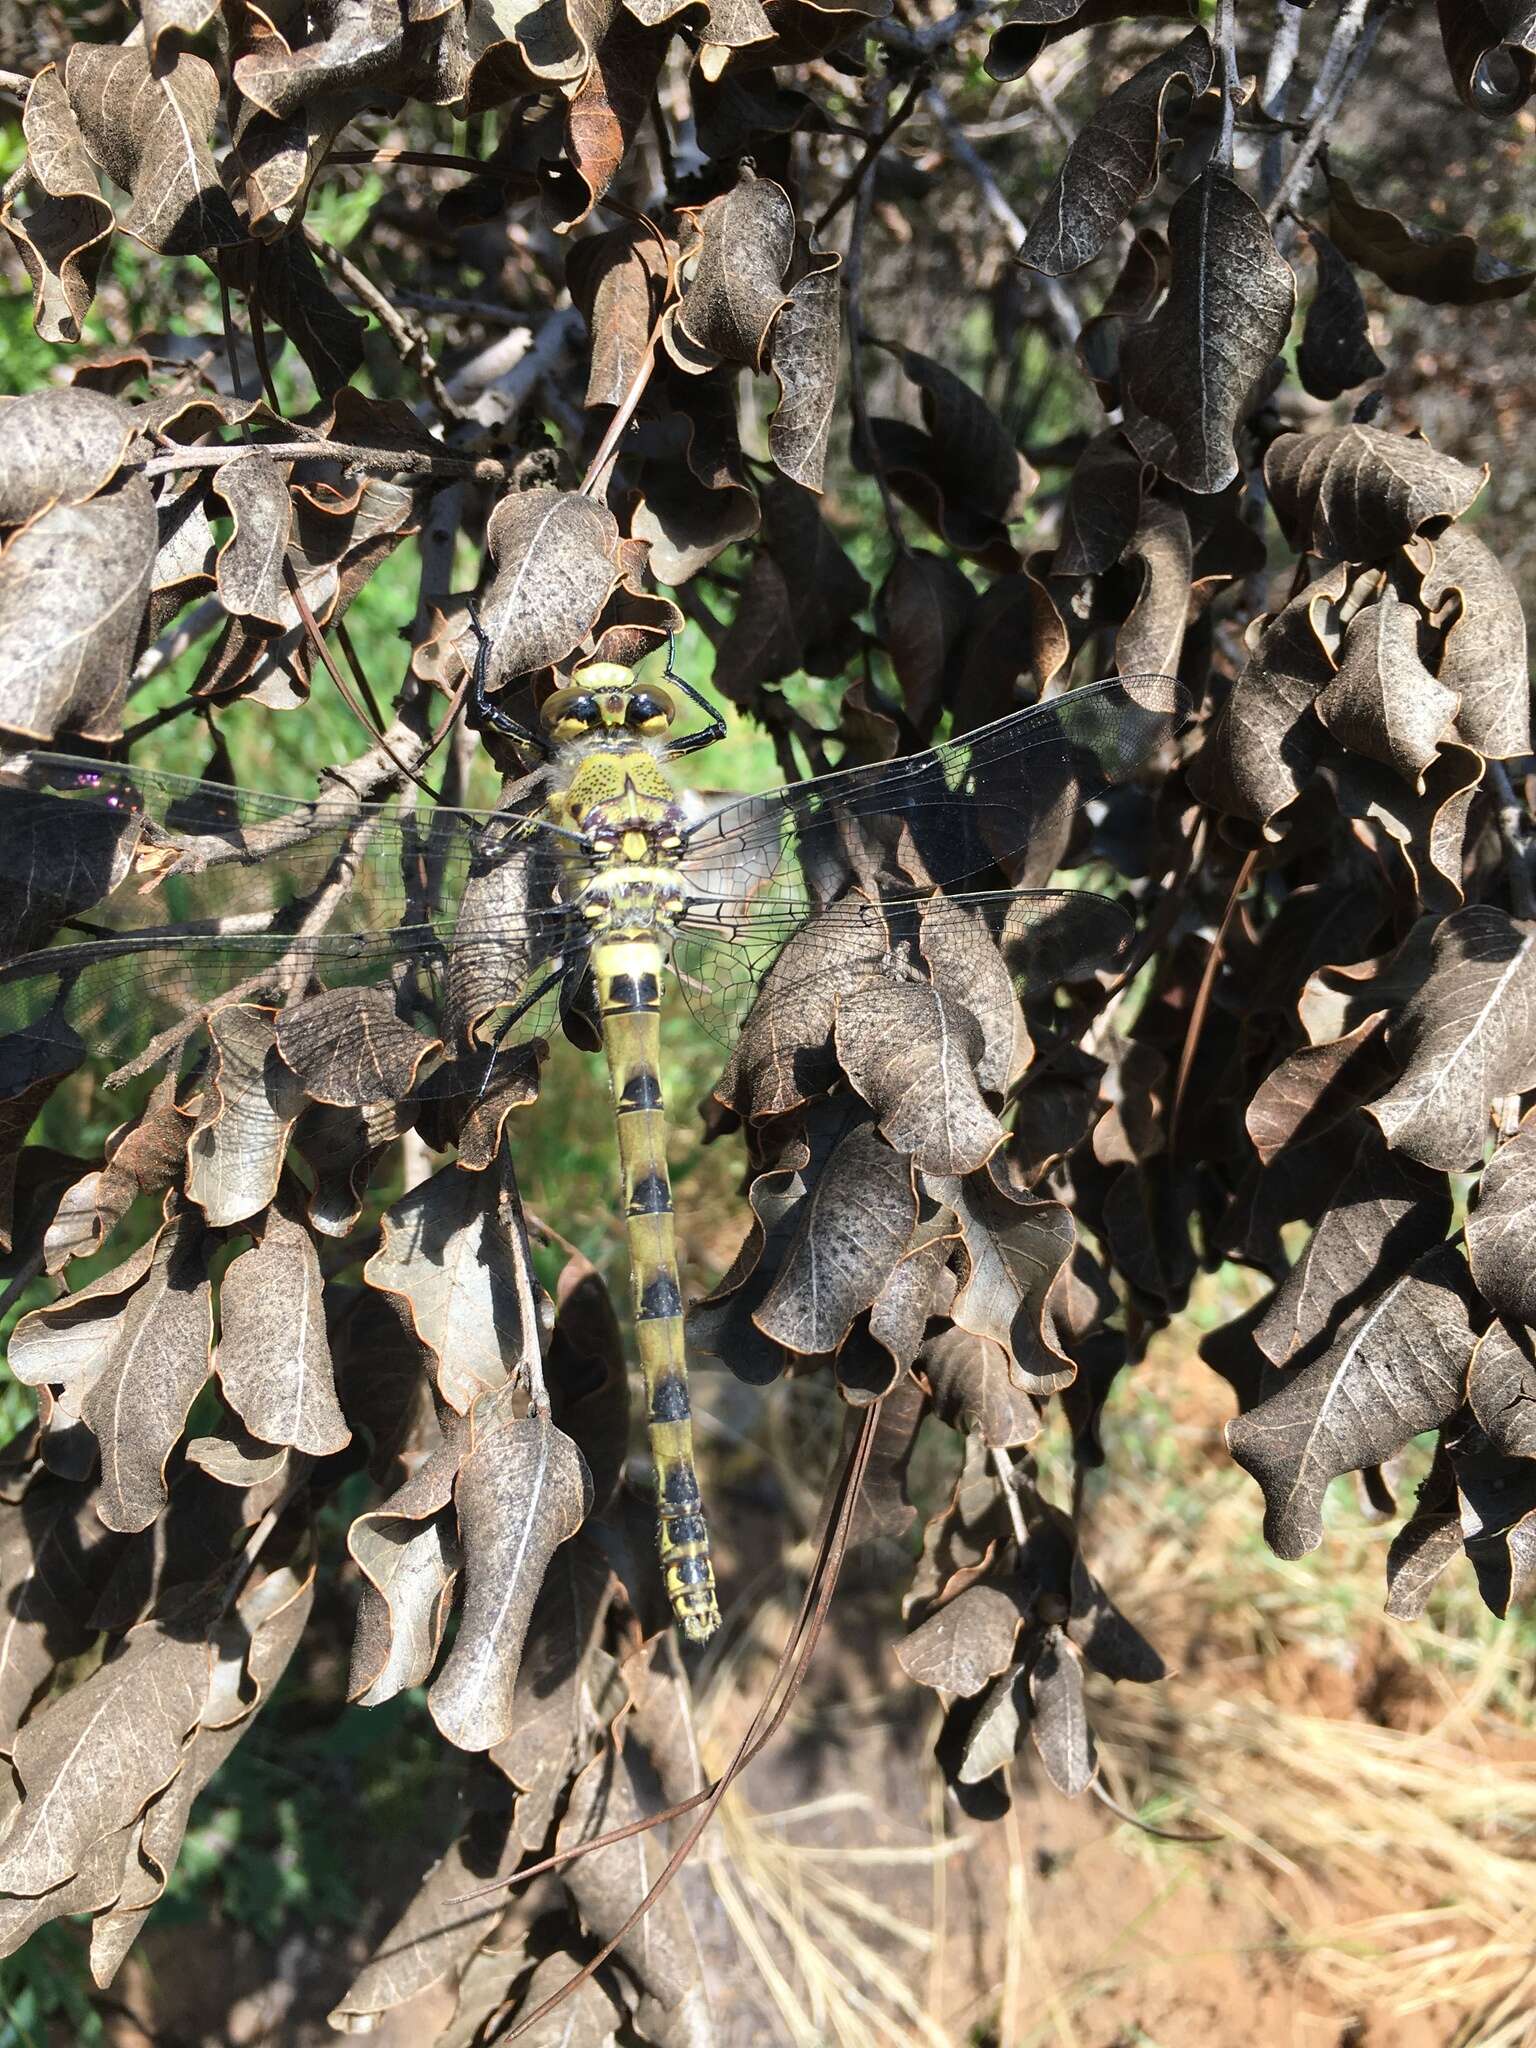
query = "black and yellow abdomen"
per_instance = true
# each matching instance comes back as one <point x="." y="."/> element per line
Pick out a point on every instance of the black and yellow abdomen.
<point x="628" y="973"/>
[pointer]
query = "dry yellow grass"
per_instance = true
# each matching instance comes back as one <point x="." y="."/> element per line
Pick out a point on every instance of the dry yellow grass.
<point x="1373" y="1783"/>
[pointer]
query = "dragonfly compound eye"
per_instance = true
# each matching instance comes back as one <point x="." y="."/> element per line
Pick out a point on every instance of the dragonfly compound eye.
<point x="649" y="710"/>
<point x="571" y="711"/>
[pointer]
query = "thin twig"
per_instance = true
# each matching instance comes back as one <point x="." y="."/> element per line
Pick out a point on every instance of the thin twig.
<point x="1275" y="93"/>
<point x="1003" y="1465"/>
<point x="1064" y="315"/>
<point x="430" y="159"/>
<point x="1203" y="996"/>
<point x="408" y="338"/>
<point x="764" y="1723"/>
<point x="343" y="688"/>
<point x="15" y="82"/>
<point x="932" y="36"/>
<point x="866" y="163"/>
<point x="1515" y="831"/>
<point x="350" y="454"/>
<point x="1322" y="121"/>
<point x="853" y="314"/>
<point x="806" y="1630"/>
<point x="175" y="641"/>
<point x="1226" y="48"/>
<point x="462" y="309"/>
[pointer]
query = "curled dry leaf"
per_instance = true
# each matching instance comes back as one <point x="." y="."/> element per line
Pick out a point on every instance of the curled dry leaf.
<point x="555" y="1725"/>
<point x="249" y="1108"/>
<point x="74" y="584"/>
<point x="250" y="563"/>
<point x="60" y="447"/>
<point x="250" y="1653"/>
<point x="1355" y="493"/>
<point x="962" y="472"/>
<point x="1386" y="1212"/>
<point x="1014" y="1249"/>
<point x="912" y="1053"/>
<point x="1266" y="745"/>
<point x="1501" y="1389"/>
<point x="1335" y="352"/>
<point x="967" y="1642"/>
<point x="350" y="1048"/>
<point x="1152" y="638"/>
<point x="408" y="1552"/>
<point x="1059" y="1719"/>
<point x="65" y="235"/>
<point x="1427" y="1543"/>
<point x="274" y="1361"/>
<point x="1432" y="264"/>
<point x="1465" y="1039"/>
<point x="54" y="1560"/>
<point x="1191" y="369"/>
<point x="1112" y="164"/>
<point x="588" y="2018"/>
<point x="849" y="1235"/>
<point x="1428" y="828"/>
<point x="521" y="1490"/>
<point x="974" y="1391"/>
<point x="1103" y="506"/>
<point x="922" y="609"/>
<point x="91" y="1760"/>
<point x="130" y="1351"/>
<point x="605" y="114"/>
<point x="608" y="1884"/>
<point x="1384" y="703"/>
<point x="150" y="131"/>
<point x="1483" y="657"/>
<point x="1501" y="1228"/>
<point x="437" y="1933"/>
<point x="1398" y="1367"/>
<point x="998" y="1729"/>
<point x="454" y="1252"/>
<point x="803" y="356"/>
<point x="556" y="555"/>
<point x="736" y="288"/>
<point x="1473" y="35"/>
<point x="1497" y="1497"/>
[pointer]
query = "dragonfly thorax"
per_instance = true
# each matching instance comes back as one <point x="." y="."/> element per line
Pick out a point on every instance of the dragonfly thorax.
<point x="632" y="901"/>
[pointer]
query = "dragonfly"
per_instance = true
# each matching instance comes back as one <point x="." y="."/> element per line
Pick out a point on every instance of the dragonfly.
<point x="137" y="904"/>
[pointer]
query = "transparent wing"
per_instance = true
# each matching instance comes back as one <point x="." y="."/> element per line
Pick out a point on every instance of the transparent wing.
<point x="136" y="901"/>
<point x="966" y="805"/>
<point x="798" y="958"/>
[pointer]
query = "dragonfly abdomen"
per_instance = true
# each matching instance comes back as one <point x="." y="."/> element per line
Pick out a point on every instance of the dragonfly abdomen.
<point x="628" y="974"/>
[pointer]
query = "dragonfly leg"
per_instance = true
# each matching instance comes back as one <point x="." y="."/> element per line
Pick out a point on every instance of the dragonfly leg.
<point x="691" y="742"/>
<point x="485" y="714"/>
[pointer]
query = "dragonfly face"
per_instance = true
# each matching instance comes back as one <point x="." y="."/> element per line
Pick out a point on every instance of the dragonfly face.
<point x="137" y="905"/>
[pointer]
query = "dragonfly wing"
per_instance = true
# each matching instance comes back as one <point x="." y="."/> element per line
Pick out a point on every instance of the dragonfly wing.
<point x="965" y="806"/>
<point x="212" y="893"/>
<point x="790" y="960"/>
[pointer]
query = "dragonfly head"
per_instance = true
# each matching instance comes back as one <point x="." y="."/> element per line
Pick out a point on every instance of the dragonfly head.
<point x="605" y="696"/>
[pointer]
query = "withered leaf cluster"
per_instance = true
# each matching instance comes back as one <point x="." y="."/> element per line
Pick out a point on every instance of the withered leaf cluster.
<point x="761" y="318"/>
